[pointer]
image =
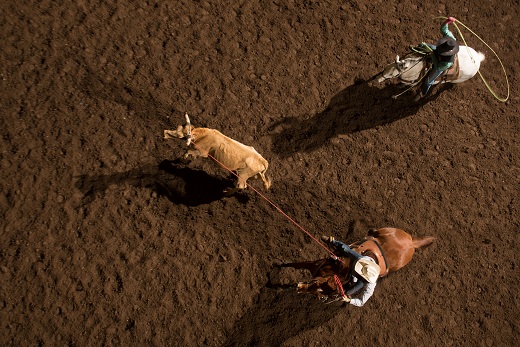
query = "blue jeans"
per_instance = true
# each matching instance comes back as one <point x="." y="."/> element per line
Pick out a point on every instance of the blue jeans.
<point x="434" y="73"/>
<point x="432" y="76"/>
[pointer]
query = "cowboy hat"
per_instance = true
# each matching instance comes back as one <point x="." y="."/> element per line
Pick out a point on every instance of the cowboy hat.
<point x="367" y="269"/>
<point x="447" y="47"/>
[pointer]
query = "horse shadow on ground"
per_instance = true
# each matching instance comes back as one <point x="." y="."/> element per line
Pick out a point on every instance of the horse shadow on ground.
<point x="354" y="109"/>
<point x="172" y="179"/>
<point x="278" y="315"/>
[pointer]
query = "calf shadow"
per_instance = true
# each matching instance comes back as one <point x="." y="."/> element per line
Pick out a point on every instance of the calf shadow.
<point x="278" y="315"/>
<point x="172" y="179"/>
<point x="354" y="109"/>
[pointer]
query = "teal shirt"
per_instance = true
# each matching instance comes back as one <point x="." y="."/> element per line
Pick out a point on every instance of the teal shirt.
<point x="441" y="64"/>
<point x="446" y="32"/>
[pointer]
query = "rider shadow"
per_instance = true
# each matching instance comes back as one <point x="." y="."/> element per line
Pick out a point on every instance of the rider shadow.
<point x="277" y="316"/>
<point x="354" y="109"/>
<point x="172" y="179"/>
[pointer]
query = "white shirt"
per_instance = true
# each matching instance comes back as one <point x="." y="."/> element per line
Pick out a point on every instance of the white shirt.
<point x="363" y="295"/>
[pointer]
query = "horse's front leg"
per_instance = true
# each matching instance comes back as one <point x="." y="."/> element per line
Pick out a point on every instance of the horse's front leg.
<point x="312" y="287"/>
<point x="322" y="287"/>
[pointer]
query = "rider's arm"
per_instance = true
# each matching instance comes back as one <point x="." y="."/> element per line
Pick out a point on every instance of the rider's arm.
<point x="445" y="31"/>
<point x="355" y="288"/>
<point x="367" y="292"/>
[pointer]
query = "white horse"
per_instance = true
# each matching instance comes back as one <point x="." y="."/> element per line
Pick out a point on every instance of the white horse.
<point x="412" y="68"/>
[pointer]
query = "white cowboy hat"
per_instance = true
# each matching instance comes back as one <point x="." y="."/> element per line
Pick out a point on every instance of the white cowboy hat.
<point x="367" y="269"/>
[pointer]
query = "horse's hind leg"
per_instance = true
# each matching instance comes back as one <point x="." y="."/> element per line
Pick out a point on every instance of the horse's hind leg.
<point x="312" y="266"/>
<point x="322" y="287"/>
<point x="274" y="282"/>
<point x="302" y="265"/>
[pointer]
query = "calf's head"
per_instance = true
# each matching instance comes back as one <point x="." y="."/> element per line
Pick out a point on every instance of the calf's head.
<point x="181" y="132"/>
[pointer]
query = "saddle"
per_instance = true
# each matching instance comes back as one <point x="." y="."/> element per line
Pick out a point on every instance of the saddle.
<point x="452" y="73"/>
<point x="371" y="248"/>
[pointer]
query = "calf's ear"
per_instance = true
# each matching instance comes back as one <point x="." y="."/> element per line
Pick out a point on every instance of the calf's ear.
<point x="169" y="134"/>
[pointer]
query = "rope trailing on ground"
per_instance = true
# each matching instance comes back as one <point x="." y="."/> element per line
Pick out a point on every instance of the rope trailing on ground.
<point x="496" y="55"/>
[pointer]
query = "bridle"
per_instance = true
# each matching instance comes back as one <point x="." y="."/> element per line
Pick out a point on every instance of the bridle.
<point x="401" y="70"/>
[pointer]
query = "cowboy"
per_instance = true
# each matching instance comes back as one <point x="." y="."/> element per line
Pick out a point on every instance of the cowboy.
<point x="364" y="275"/>
<point x="443" y="57"/>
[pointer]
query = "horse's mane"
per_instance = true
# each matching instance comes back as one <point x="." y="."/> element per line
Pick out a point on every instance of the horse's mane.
<point x="414" y="56"/>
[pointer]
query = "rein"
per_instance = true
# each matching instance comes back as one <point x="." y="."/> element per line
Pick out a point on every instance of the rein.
<point x="402" y="71"/>
<point x="414" y="83"/>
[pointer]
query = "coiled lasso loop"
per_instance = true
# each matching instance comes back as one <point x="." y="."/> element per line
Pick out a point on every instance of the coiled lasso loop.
<point x="491" y="49"/>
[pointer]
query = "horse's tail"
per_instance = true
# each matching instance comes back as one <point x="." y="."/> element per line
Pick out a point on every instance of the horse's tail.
<point x="480" y="57"/>
<point x="423" y="241"/>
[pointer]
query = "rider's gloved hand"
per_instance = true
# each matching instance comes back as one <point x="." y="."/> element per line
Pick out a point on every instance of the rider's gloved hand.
<point x="450" y="20"/>
<point x="328" y="239"/>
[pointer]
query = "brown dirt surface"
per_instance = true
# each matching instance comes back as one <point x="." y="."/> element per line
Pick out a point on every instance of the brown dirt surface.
<point x="107" y="237"/>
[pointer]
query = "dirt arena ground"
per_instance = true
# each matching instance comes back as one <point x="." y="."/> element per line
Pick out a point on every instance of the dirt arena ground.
<point x="108" y="238"/>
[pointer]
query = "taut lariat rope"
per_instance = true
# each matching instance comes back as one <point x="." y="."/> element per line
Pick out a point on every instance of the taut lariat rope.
<point x="272" y="204"/>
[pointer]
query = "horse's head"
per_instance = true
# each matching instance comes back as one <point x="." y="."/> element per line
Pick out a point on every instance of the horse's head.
<point x="329" y="274"/>
<point x="395" y="69"/>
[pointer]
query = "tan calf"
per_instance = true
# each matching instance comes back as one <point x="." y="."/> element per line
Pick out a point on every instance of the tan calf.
<point x="235" y="156"/>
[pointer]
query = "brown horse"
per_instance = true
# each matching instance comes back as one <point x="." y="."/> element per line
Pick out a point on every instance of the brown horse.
<point x="391" y="248"/>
